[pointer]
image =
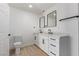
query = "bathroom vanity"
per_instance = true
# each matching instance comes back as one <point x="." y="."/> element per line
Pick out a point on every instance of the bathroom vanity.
<point x="53" y="44"/>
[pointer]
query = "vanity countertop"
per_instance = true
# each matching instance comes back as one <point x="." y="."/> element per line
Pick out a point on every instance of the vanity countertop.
<point x="51" y="35"/>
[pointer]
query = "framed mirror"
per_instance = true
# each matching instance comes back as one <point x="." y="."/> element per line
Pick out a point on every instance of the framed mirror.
<point x="52" y="19"/>
<point x="42" y="22"/>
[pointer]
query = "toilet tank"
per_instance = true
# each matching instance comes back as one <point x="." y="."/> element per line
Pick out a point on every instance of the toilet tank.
<point x="17" y="38"/>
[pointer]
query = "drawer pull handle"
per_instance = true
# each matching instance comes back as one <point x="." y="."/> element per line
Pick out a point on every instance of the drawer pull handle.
<point x="43" y="41"/>
<point x="52" y="39"/>
<point x="53" y="53"/>
<point x="53" y="45"/>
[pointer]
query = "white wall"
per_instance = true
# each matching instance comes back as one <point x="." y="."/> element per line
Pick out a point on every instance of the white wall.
<point x="4" y="29"/>
<point x="22" y="23"/>
<point x="67" y="26"/>
<point x="4" y="18"/>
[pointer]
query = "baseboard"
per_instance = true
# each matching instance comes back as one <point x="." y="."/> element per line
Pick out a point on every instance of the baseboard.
<point x="41" y="49"/>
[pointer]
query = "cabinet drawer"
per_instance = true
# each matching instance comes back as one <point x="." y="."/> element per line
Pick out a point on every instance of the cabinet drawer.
<point x="51" y="53"/>
<point x="52" y="41"/>
<point x="52" y="49"/>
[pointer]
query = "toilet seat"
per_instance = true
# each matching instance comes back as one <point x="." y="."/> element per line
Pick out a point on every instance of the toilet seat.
<point x="17" y="44"/>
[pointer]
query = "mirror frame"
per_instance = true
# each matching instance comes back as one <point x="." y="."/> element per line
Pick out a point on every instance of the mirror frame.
<point x="40" y="22"/>
<point x="55" y="19"/>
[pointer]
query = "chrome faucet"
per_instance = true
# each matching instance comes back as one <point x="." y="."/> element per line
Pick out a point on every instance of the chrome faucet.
<point x="49" y="31"/>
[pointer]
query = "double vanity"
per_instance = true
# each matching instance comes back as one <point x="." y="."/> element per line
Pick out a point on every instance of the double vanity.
<point x="53" y="44"/>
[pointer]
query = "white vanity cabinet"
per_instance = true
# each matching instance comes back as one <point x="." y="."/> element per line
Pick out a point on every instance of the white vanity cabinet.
<point x="43" y="43"/>
<point x="54" y="45"/>
<point x="36" y="38"/>
<point x="45" y="39"/>
<point x="59" y="45"/>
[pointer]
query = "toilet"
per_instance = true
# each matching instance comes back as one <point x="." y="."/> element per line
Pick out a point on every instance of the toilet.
<point x="17" y="44"/>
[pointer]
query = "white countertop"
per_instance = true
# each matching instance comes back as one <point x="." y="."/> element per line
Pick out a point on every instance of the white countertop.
<point x="51" y="35"/>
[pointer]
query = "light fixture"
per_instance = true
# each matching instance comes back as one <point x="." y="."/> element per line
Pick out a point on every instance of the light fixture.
<point x="30" y="6"/>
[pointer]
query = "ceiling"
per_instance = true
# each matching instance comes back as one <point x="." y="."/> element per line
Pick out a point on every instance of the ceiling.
<point x="37" y="8"/>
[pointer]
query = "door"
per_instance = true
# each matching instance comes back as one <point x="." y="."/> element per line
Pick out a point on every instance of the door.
<point x="4" y="44"/>
<point x="41" y="42"/>
<point x="46" y="44"/>
<point x="4" y="29"/>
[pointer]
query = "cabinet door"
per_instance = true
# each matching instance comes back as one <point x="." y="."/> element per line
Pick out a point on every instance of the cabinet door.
<point x="36" y="39"/>
<point x="41" y="42"/>
<point x="46" y="44"/>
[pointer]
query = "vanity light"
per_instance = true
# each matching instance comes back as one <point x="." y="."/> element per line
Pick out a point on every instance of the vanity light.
<point x="30" y="6"/>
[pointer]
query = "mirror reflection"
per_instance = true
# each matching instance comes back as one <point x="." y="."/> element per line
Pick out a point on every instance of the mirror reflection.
<point x="51" y="19"/>
<point x="41" y="22"/>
